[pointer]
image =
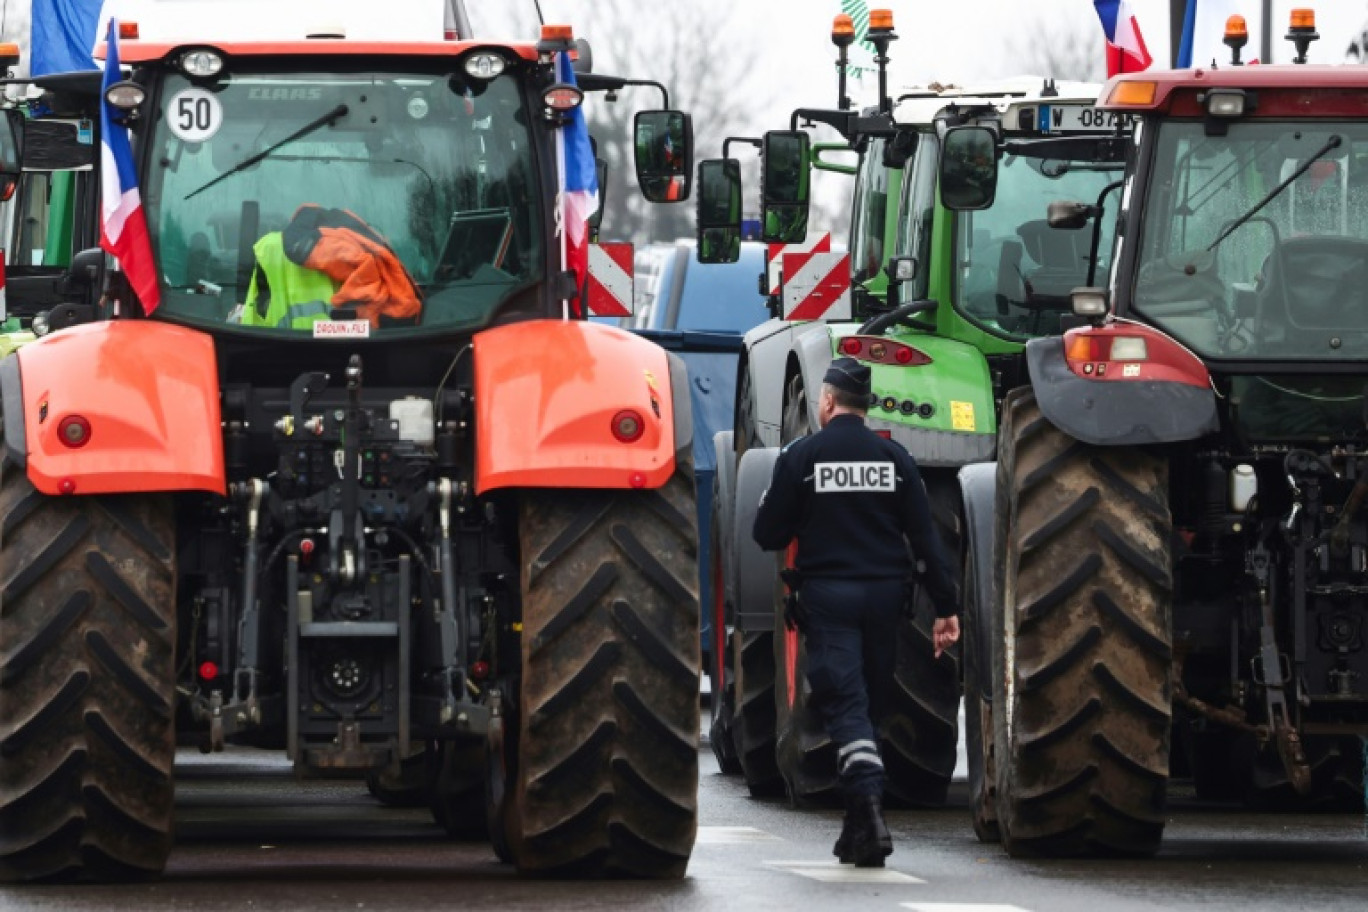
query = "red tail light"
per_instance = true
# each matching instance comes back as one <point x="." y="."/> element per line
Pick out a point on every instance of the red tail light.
<point x="879" y="350"/>
<point x="208" y="671"/>
<point x="628" y="426"/>
<point x="74" y="431"/>
<point x="1131" y="351"/>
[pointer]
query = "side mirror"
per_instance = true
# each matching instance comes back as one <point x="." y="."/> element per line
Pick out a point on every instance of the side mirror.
<point x="664" y="155"/>
<point x="968" y="168"/>
<point x="1066" y="215"/>
<point x="82" y="278"/>
<point x="601" y="171"/>
<point x="12" y="145"/>
<point x="719" y="210"/>
<point x="784" y="186"/>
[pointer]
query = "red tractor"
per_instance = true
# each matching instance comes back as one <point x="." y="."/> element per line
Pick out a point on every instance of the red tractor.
<point x="356" y="490"/>
<point x="1168" y="565"/>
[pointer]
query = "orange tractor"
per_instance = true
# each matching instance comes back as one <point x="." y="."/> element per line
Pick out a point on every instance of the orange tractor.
<point x="360" y="488"/>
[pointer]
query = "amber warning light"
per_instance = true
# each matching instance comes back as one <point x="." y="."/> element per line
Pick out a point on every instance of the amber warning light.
<point x="1236" y="27"/>
<point x="881" y="20"/>
<point x="842" y="31"/>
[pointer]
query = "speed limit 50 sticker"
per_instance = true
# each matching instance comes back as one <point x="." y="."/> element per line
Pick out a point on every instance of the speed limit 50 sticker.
<point x="194" y="115"/>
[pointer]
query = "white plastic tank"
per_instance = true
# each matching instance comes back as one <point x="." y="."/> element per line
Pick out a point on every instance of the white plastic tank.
<point x="1244" y="484"/>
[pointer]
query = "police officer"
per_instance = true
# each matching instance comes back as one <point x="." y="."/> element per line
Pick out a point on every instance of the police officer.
<point x="854" y="501"/>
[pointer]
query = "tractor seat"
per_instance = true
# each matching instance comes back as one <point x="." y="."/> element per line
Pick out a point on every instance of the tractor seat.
<point x="1316" y="288"/>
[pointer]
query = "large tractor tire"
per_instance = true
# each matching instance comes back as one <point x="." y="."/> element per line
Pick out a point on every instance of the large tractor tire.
<point x="753" y="670"/>
<point x="606" y="778"/>
<point x="1082" y="692"/>
<point x="722" y="566"/>
<point x="455" y="788"/>
<point x="978" y="709"/>
<point x="920" y="735"/>
<point x="410" y="785"/>
<point x="804" y="752"/>
<point x="87" y="683"/>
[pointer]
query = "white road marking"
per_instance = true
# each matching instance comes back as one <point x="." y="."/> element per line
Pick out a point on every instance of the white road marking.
<point x="835" y="872"/>
<point x="730" y="835"/>
<point x="960" y="907"/>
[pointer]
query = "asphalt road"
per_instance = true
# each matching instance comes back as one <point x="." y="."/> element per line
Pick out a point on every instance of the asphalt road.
<point x="250" y="838"/>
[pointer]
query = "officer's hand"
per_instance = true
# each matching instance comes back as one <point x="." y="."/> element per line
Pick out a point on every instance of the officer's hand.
<point x="945" y="634"/>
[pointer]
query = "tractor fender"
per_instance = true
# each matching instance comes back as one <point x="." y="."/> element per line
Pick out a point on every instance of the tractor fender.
<point x="757" y="570"/>
<point x="149" y="394"/>
<point x="547" y="396"/>
<point x="932" y="448"/>
<point x="1119" y="412"/>
<point x="813" y="350"/>
<point x="978" y="487"/>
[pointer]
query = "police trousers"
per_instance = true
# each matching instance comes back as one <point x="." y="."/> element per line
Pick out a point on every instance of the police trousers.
<point x="852" y="641"/>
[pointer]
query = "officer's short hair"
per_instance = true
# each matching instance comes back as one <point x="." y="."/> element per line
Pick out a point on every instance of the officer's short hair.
<point x="846" y="399"/>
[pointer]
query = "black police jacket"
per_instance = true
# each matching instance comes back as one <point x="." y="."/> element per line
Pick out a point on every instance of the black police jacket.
<point x="850" y="496"/>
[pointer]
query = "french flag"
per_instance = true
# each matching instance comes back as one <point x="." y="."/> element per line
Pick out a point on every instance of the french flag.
<point x="123" y="227"/>
<point x="579" y="191"/>
<point x="1126" y="51"/>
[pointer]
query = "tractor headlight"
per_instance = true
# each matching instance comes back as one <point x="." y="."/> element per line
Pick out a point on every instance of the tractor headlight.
<point x="125" y="95"/>
<point x="201" y="63"/>
<point x="485" y="66"/>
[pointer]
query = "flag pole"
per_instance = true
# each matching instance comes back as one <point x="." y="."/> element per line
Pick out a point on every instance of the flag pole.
<point x="1266" y="33"/>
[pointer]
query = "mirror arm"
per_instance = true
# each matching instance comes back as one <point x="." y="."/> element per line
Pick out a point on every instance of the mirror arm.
<point x="601" y="82"/>
<point x="1097" y="229"/>
<point x="748" y="140"/>
<point x="852" y="126"/>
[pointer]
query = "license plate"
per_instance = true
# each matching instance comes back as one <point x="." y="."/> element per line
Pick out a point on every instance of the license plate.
<point x="1080" y="119"/>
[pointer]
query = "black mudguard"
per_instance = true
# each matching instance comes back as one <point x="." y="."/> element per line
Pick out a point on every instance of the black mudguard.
<point x="978" y="486"/>
<point x="683" y="403"/>
<point x="1116" y="413"/>
<point x="12" y="410"/>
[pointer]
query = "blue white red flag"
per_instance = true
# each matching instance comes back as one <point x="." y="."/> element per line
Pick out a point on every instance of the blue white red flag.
<point x="1204" y="32"/>
<point x="1126" y="51"/>
<point x="579" y="191"/>
<point x="123" y="226"/>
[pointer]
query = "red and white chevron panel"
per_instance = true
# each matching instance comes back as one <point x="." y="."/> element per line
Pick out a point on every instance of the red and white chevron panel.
<point x="820" y="243"/>
<point x="610" y="279"/>
<point x="817" y="286"/>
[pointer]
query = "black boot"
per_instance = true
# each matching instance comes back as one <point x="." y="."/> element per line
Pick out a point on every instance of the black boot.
<point x="870" y="842"/>
<point x="842" y="847"/>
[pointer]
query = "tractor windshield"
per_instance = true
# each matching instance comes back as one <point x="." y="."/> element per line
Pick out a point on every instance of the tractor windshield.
<point x="1255" y="243"/>
<point x="1014" y="272"/>
<point x="379" y="203"/>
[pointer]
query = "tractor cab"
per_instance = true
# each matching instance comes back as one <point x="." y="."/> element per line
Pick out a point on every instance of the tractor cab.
<point x="1253" y="250"/>
<point x="1013" y="271"/>
<point x="330" y="182"/>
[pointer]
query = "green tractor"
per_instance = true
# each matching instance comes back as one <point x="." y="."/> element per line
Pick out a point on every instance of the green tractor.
<point x="941" y="304"/>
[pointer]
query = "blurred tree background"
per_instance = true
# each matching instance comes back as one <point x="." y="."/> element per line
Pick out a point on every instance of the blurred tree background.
<point x="700" y="53"/>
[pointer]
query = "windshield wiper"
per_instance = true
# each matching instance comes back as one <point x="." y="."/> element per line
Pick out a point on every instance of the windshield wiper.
<point x="1333" y="142"/>
<point x="327" y="119"/>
